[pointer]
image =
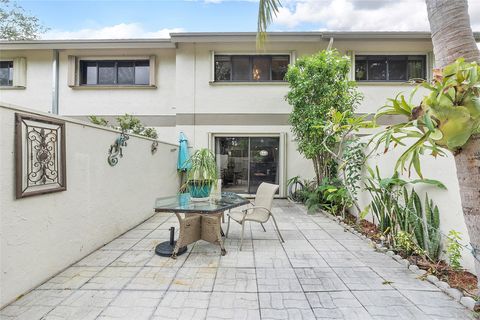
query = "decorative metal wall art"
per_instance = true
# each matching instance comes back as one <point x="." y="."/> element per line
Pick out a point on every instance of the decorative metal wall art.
<point x="115" y="150"/>
<point x="154" y="147"/>
<point x="39" y="155"/>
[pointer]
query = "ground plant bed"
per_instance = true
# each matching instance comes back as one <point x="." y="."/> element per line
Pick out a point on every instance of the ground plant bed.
<point x="462" y="280"/>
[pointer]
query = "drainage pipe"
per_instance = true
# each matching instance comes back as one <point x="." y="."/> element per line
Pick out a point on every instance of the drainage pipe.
<point x="55" y="73"/>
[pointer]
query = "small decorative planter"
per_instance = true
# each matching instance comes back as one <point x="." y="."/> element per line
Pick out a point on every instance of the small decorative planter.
<point x="199" y="190"/>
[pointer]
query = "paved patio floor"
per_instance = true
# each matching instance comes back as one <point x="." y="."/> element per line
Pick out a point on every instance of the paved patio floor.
<point x="320" y="272"/>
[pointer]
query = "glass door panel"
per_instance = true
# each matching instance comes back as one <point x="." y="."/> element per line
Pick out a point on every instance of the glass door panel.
<point x="245" y="162"/>
<point x="263" y="161"/>
<point x="232" y="162"/>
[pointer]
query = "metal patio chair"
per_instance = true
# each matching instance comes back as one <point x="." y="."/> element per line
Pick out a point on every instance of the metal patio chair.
<point x="260" y="211"/>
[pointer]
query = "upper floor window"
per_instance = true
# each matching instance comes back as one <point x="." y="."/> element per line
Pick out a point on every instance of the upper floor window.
<point x="390" y="68"/>
<point x="251" y="67"/>
<point x="114" y="72"/>
<point x="6" y="73"/>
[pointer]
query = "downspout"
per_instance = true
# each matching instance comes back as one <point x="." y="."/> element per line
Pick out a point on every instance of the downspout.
<point x="330" y="44"/>
<point x="55" y="73"/>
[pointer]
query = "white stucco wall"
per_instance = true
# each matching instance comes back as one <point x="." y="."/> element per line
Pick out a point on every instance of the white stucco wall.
<point x="448" y="201"/>
<point x="38" y="91"/>
<point x="117" y="101"/>
<point x="41" y="235"/>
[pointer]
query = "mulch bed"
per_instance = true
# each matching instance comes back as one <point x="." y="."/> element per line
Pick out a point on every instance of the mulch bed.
<point x="461" y="279"/>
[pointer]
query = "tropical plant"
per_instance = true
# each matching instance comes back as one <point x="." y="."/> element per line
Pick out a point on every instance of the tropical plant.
<point x="337" y="199"/>
<point x="127" y="123"/>
<point x="329" y="195"/>
<point x="353" y="157"/>
<point x="203" y="168"/>
<point x="16" y="24"/>
<point x="322" y="97"/>
<point x="404" y="242"/>
<point x="395" y="210"/>
<point x="445" y="120"/>
<point x="454" y="249"/>
<point x="425" y="223"/>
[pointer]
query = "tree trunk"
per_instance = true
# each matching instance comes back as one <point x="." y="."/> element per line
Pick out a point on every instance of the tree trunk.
<point x="453" y="38"/>
<point x="468" y="174"/>
<point x="452" y="35"/>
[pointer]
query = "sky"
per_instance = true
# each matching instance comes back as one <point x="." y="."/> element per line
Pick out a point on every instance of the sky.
<point x="80" y="19"/>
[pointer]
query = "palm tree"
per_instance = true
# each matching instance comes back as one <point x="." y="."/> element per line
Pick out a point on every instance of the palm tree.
<point x="452" y="38"/>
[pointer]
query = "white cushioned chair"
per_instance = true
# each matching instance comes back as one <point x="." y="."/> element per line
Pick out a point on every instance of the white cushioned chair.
<point x="260" y="212"/>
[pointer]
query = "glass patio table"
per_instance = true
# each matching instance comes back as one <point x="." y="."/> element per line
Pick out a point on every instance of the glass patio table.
<point x="198" y="219"/>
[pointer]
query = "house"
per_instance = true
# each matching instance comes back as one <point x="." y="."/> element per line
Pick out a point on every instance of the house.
<point x="219" y="90"/>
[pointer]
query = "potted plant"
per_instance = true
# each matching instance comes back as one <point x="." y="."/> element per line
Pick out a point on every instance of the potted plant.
<point x="202" y="174"/>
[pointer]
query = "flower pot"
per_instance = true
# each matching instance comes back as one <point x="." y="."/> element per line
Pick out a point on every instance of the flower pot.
<point x="199" y="190"/>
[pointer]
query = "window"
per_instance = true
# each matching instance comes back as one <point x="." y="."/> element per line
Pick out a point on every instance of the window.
<point x="251" y="68"/>
<point x="389" y="68"/>
<point x="115" y="72"/>
<point x="6" y="73"/>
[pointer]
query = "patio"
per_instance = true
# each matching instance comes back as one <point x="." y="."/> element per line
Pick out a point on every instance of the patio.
<point x="320" y="272"/>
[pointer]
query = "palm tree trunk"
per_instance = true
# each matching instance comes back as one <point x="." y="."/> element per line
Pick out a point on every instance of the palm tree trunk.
<point x="468" y="174"/>
<point x="452" y="35"/>
<point x="453" y="38"/>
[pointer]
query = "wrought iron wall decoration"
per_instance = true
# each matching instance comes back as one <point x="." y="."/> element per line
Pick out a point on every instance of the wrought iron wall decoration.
<point x="115" y="150"/>
<point x="154" y="147"/>
<point x="40" y="164"/>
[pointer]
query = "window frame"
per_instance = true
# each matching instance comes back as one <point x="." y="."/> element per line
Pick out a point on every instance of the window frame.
<point x="11" y="73"/>
<point x="74" y="72"/>
<point x="116" y="61"/>
<point x="377" y="56"/>
<point x="251" y="57"/>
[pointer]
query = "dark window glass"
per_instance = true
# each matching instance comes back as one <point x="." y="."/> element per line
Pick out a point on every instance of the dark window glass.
<point x="106" y="72"/>
<point x="241" y="68"/>
<point x="416" y="67"/>
<point x="126" y="72"/>
<point x="251" y="68"/>
<point x="223" y="68"/>
<point x="121" y="72"/>
<point x="6" y="73"/>
<point x="377" y="69"/>
<point x="261" y="68"/>
<point x="389" y="68"/>
<point x="142" y="72"/>
<point x="361" y="69"/>
<point x="279" y="67"/>
<point x="397" y="68"/>
<point x="88" y="72"/>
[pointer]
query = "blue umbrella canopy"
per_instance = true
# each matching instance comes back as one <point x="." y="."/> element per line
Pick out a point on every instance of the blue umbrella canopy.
<point x="183" y="156"/>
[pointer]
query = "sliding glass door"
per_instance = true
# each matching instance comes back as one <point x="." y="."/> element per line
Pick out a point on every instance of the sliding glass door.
<point x="245" y="162"/>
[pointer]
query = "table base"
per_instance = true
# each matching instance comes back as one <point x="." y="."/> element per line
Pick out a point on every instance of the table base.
<point x="165" y="249"/>
<point x="194" y="227"/>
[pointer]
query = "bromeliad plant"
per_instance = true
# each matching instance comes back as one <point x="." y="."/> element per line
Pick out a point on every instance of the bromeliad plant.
<point x="445" y="119"/>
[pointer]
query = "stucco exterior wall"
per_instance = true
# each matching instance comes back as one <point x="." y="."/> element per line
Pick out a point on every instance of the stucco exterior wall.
<point x="448" y="201"/>
<point x="41" y="235"/>
<point x="118" y="101"/>
<point x="38" y="91"/>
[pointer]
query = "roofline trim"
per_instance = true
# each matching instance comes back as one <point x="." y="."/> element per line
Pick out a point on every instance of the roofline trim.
<point x="307" y="36"/>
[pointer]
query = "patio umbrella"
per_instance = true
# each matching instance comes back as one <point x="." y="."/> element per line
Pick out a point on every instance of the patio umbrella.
<point x="183" y="156"/>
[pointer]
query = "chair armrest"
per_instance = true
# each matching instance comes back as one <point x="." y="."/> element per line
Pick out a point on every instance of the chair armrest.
<point x="256" y="207"/>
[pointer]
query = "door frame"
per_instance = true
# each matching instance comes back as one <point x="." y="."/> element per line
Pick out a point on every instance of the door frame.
<point x="282" y="152"/>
